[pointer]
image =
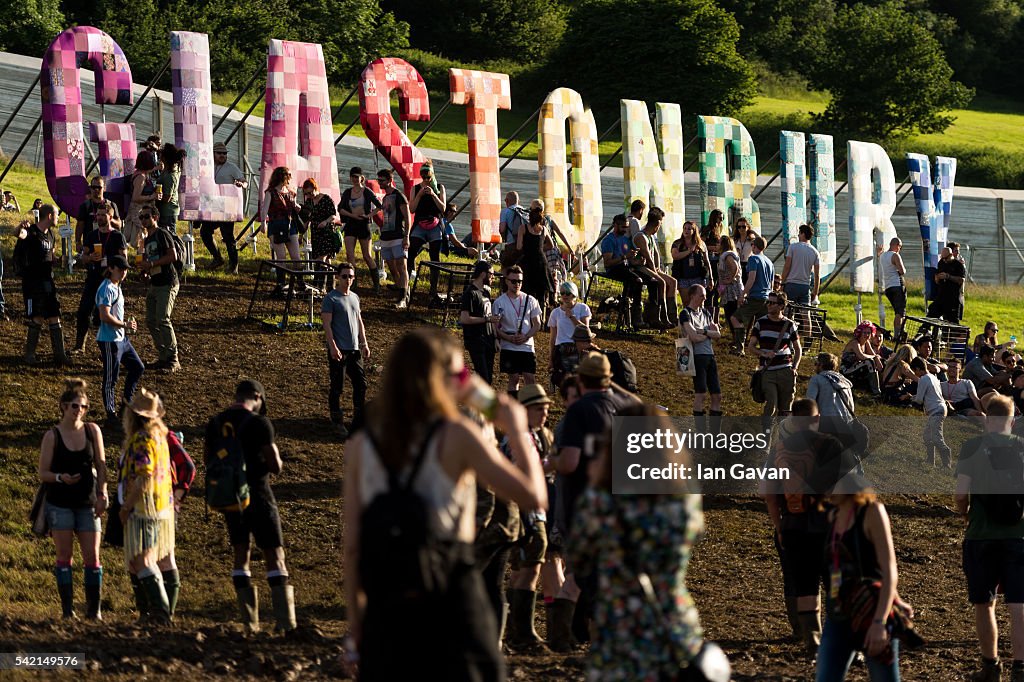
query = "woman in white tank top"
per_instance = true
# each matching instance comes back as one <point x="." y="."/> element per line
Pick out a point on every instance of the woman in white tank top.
<point x="454" y="630"/>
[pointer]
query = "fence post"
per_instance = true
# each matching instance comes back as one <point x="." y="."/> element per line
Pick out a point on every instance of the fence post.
<point x="1001" y="233"/>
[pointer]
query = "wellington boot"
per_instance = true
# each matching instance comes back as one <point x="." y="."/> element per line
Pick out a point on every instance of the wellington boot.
<point x="156" y="596"/>
<point x="794" y="617"/>
<point x="32" y="342"/>
<point x="283" y="599"/>
<point x="249" y="608"/>
<point x="989" y="672"/>
<point x="810" y="631"/>
<point x="93" y="592"/>
<point x="66" y="590"/>
<point x="522" y="636"/>
<point x="560" y="614"/>
<point x="141" y="602"/>
<point x="172" y="585"/>
<point x="60" y="358"/>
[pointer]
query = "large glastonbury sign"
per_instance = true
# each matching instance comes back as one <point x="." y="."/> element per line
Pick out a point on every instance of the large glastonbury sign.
<point x="298" y="131"/>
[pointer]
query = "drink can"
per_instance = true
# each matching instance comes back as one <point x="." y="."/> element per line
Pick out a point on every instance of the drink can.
<point x="481" y="397"/>
<point x="35" y="215"/>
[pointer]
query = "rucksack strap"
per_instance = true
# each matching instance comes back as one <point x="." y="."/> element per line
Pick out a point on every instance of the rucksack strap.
<point x="393" y="482"/>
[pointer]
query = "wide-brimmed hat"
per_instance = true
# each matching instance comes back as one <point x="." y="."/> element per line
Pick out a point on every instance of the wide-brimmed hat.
<point x="533" y="394"/>
<point x="220" y="147"/>
<point x="595" y="365"/>
<point x="146" y="403"/>
<point x="582" y="333"/>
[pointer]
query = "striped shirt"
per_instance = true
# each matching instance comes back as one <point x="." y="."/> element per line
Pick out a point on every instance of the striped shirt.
<point x="767" y="331"/>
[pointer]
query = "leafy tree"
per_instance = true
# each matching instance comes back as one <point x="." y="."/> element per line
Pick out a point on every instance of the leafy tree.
<point x="30" y="26"/>
<point x="239" y="33"/>
<point x="522" y="31"/>
<point x="680" y="51"/>
<point x="886" y="73"/>
<point x="785" y="34"/>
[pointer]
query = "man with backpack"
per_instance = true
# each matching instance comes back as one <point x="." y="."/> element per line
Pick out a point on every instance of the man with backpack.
<point x="33" y="262"/>
<point x="585" y="421"/>
<point x="159" y="262"/>
<point x="512" y="217"/>
<point x="990" y="495"/>
<point x="240" y="456"/>
<point x="798" y="513"/>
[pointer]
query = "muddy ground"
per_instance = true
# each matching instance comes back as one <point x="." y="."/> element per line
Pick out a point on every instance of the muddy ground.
<point x="734" y="576"/>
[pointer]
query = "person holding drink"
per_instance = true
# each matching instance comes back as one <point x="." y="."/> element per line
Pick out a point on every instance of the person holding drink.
<point x="98" y="246"/>
<point x="115" y="348"/>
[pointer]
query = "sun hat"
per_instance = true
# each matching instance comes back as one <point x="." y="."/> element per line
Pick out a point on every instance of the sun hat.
<point x="533" y="394"/>
<point x="146" y="403"/>
<point x="582" y="333"/>
<point x="595" y="365"/>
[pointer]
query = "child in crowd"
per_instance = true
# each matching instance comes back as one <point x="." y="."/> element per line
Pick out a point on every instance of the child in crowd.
<point x="929" y="396"/>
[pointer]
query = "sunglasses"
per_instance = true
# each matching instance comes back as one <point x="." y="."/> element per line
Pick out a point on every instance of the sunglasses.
<point x="774" y="301"/>
<point x="515" y="281"/>
<point x="346" y="276"/>
<point x="79" y="406"/>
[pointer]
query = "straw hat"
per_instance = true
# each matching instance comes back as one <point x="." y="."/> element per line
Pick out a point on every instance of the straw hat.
<point x="595" y="365"/>
<point x="533" y="394"/>
<point x="146" y="403"/>
<point x="583" y="333"/>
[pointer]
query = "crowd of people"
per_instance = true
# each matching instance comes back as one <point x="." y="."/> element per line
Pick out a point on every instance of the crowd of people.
<point x="460" y="502"/>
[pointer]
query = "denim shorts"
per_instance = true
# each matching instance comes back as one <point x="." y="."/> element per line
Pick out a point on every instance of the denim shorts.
<point x="427" y="235"/>
<point x="798" y="293"/>
<point x="79" y="519"/>
<point x="393" y="252"/>
<point x="281" y="231"/>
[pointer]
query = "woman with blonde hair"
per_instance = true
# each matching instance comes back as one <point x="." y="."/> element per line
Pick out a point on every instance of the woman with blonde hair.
<point x="899" y="383"/>
<point x="144" y="488"/>
<point x="73" y="467"/>
<point x="416" y="441"/>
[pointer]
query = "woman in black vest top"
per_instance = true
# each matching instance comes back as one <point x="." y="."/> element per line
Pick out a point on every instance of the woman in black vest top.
<point x="72" y="465"/>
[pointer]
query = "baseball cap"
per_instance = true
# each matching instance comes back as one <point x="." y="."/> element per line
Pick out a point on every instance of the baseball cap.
<point x="595" y="365"/>
<point x="533" y="394"/>
<point x="118" y="261"/>
<point x="250" y="387"/>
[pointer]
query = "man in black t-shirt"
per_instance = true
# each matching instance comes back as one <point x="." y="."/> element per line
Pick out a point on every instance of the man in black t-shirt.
<point x="98" y="245"/>
<point x="478" y="322"/>
<point x="36" y="244"/>
<point x="950" y="275"/>
<point x="158" y="263"/>
<point x="85" y="220"/>
<point x="585" y="423"/>
<point x="260" y="520"/>
<point x="815" y="462"/>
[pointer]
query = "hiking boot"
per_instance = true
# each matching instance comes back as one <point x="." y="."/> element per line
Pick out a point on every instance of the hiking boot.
<point x="990" y="672"/>
<point x="156" y="365"/>
<point x="171" y="366"/>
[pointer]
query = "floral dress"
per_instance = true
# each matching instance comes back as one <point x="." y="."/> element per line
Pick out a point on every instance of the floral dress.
<point x="151" y="524"/>
<point x="313" y="213"/>
<point x="616" y="536"/>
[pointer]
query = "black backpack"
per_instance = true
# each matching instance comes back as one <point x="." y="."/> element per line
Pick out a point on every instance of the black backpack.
<point x="623" y="370"/>
<point x="19" y="259"/>
<point x="400" y="559"/>
<point x="1006" y="508"/>
<point x="227" y="485"/>
<point x="179" y="250"/>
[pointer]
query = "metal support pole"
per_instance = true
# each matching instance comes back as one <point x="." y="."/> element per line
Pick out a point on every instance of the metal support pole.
<point x="508" y="140"/>
<point x="21" y="103"/>
<point x="341" y="107"/>
<point x="246" y="116"/>
<point x="345" y="131"/>
<point x="433" y="119"/>
<point x="238" y="99"/>
<point x="835" y="273"/>
<point x="21" y="148"/>
<point x="1001" y="238"/>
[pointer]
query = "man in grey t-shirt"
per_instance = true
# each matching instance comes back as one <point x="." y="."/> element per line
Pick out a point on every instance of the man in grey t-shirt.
<point x="224" y="173"/>
<point x="802" y="272"/>
<point x="345" y="337"/>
